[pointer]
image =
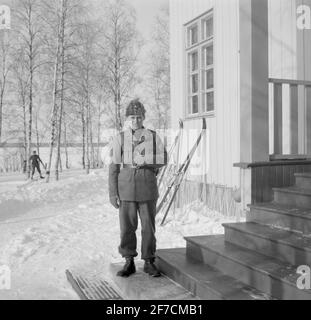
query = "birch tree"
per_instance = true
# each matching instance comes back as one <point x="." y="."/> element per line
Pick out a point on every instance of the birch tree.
<point x="29" y="25"/>
<point x="63" y="22"/>
<point x="66" y="17"/>
<point x="158" y="79"/>
<point x="87" y="71"/>
<point x="120" y="49"/>
<point x="5" y="67"/>
<point x="54" y="112"/>
<point x="21" y="89"/>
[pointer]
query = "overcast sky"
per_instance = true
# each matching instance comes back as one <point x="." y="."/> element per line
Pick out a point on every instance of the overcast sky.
<point x="146" y="12"/>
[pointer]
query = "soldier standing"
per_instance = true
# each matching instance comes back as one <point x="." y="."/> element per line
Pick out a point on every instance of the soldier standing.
<point x="137" y="154"/>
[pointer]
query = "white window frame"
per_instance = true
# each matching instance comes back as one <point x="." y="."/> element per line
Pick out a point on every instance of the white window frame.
<point x="199" y="47"/>
<point x="190" y="74"/>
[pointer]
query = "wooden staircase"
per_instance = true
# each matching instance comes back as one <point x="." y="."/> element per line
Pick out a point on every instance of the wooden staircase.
<point x="254" y="260"/>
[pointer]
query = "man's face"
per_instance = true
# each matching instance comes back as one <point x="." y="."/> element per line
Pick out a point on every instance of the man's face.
<point x="135" y="122"/>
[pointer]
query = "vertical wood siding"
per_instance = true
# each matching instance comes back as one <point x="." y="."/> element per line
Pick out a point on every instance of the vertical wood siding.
<point x="282" y="39"/>
<point x="304" y="48"/>
<point x="277" y="175"/>
<point x="221" y="148"/>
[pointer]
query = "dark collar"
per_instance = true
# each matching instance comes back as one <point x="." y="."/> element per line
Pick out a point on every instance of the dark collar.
<point x="133" y="131"/>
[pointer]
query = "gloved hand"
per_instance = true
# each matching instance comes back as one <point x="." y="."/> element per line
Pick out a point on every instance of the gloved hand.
<point x="115" y="201"/>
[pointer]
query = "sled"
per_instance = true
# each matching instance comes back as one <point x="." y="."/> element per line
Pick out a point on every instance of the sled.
<point x="91" y="288"/>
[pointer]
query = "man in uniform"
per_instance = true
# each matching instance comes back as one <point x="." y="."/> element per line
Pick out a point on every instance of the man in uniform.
<point x="34" y="161"/>
<point x="137" y="154"/>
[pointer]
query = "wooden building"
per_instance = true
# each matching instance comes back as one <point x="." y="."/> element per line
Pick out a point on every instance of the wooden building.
<point x="245" y="67"/>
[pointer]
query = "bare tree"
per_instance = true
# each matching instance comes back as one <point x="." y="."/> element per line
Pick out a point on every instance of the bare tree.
<point x="83" y="85"/>
<point x="73" y="14"/>
<point x="65" y="142"/>
<point x="20" y="87"/>
<point x="120" y="48"/>
<point x="5" y="66"/>
<point x="54" y="112"/>
<point x="88" y="69"/>
<point x="28" y="29"/>
<point x="66" y="18"/>
<point x="64" y="8"/>
<point x="158" y="79"/>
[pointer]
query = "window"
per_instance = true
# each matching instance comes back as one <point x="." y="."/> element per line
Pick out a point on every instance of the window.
<point x="193" y="81"/>
<point x="200" y="66"/>
<point x="207" y="28"/>
<point x="192" y="35"/>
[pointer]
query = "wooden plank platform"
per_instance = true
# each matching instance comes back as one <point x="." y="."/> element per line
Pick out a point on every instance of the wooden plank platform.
<point x="141" y="286"/>
<point x="91" y="288"/>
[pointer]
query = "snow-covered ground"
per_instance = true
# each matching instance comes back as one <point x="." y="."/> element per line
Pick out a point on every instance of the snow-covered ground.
<point x="48" y="228"/>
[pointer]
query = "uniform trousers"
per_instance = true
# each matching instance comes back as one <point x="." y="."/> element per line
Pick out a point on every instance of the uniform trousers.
<point x="128" y="216"/>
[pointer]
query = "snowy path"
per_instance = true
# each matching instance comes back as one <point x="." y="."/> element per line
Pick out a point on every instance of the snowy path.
<point x="46" y="229"/>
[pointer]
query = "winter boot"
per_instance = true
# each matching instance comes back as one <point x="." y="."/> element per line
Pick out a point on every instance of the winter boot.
<point x="128" y="269"/>
<point x="151" y="269"/>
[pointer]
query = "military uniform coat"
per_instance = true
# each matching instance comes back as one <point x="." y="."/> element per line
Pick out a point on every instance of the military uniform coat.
<point x="141" y="148"/>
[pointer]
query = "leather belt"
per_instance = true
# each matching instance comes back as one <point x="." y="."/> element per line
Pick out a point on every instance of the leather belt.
<point x="136" y="167"/>
<point x="130" y="166"/>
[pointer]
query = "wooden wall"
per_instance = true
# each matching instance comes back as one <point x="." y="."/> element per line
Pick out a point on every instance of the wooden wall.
<point x="282" y="39"/>
<point x="304" y="49"/>
<point x="221" y="147"/>
<point x="274" y="175"/>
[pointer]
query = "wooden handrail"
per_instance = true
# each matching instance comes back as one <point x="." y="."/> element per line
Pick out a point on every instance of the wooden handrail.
<point x="288" y="81"/>
<point x="246" y="165"/>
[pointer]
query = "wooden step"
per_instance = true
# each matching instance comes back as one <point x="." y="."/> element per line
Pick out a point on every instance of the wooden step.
<point x="276" y="278"/>
<point x="141" y="286"/>
<point x="283" y="216"/>
<point x="204" y="281"/>
<point x="293" y="196"/>
<point x="290" y="247"/>
<point x="303" y="180"/>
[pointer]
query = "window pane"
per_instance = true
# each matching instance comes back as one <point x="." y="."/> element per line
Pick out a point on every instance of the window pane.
<point x="195" y="104"/>
<point x="207" y="56"/>
<point x="207" y="28"/>
<point x="209" y="76"/>
<point x="208" y="101"/>
<point x="190" y="105"/>
<point x="193" y="35"/>
<point x="194" y="61"/>
<point x="194" y="83"/>
<point x="207" y="80"/>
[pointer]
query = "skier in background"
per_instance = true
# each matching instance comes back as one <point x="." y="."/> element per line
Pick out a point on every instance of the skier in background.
<point x="34" y="161"/>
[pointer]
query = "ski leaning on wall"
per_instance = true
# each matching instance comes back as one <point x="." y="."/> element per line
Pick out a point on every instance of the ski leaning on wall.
<point x="170" y="194"/>
<point x="166" y="172"/>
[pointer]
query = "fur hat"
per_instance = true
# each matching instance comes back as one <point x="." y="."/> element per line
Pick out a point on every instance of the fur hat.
<point x="135" y="108"/>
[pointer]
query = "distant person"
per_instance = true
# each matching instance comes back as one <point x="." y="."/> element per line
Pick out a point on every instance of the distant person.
<point x="34" y="161"/>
